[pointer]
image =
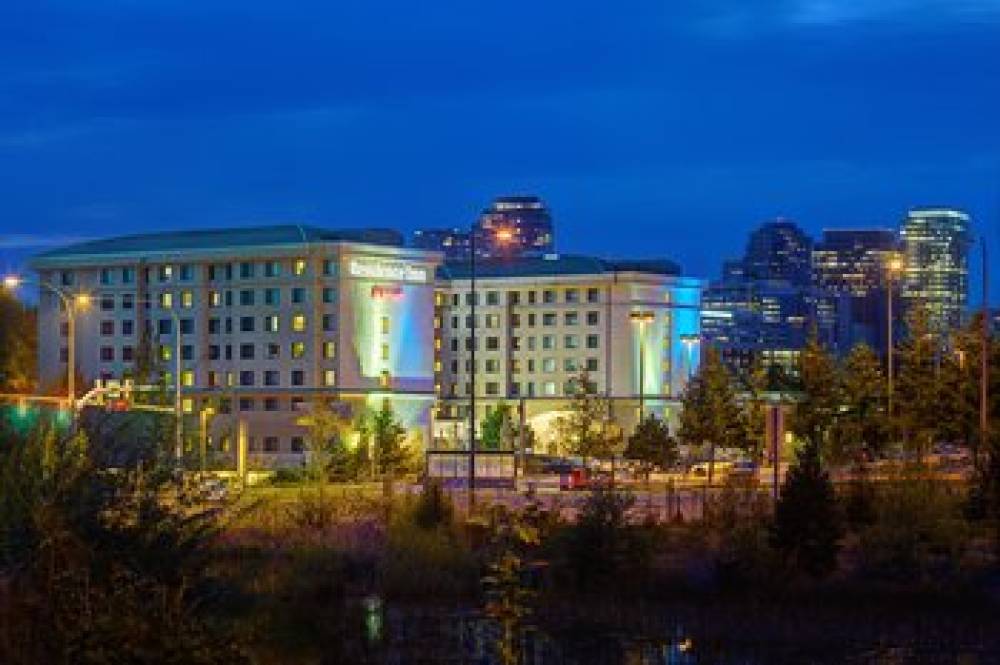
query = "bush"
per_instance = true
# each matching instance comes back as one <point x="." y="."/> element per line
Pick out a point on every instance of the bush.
<point x="434" y="508"/>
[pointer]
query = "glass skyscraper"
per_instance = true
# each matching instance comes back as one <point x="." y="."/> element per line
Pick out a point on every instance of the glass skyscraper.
<point x="515" y="226"/>
<point x="936" y="274"/>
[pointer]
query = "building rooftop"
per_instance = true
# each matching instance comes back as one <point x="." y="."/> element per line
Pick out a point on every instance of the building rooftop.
<point x="553" y="266"/>
<point x="211" y="239"/>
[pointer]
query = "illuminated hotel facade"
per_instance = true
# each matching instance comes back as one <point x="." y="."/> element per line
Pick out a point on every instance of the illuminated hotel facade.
<point x="541" y="322"/>
<point x="271" y="320"/>
<point x="274" y="319"/>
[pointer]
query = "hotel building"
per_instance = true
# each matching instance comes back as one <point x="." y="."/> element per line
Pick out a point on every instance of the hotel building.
<point x="270" y="319"/>
<point x="540" y="322"/>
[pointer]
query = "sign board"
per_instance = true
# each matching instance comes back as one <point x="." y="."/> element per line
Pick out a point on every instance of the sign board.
<point x="383" y="269"/>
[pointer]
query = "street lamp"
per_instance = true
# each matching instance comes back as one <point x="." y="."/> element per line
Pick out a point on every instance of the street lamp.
<point x="689" y="342"/>
<point x="895" y="267"/>
<point x="206" y="413"/>
<point x="503" y="236"/>
<point x="641" y="318"/>
<point x="71" y="303"/>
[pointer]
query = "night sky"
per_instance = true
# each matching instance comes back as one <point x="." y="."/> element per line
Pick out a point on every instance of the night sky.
<point x="651" y="128"/>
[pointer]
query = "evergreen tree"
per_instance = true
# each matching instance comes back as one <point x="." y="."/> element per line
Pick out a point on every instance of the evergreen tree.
<point x="18" y="345"/>
<point x="388" y="436"/>
<point x="861" y="425"/>
<point x="588" y="430"/>
<point x="497" y="428"/>
<point x="807" y="524"/>
<point x="709" y="411"/>
<point x="817" y="410"/>
<point x="918" y="398"/>
<point x="651" y="444"/>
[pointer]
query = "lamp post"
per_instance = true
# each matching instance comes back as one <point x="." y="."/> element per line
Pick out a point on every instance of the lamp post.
<point x="71" y="303"/>
<point x="895" y="267"/>
<point x="503" y="236"/>
<point x="641" y="318"/>
<point x="203" y="416"/>
<point x="689" y="341"/>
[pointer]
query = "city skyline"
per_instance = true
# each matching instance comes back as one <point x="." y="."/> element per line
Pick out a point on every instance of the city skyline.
<point x="168" y="118"/>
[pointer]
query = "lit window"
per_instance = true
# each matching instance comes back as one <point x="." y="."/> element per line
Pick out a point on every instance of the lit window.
<point x="215" y="299"/>
<point x="187" y="405"/>
<point x="299" y="322"/>
<point x="271" y="323"/>
<point x="187" y="378"/>
<point x="385" y="352"/>
<point x="385" y="325"/>
<point x="166" y="353"/>
<point x="384" y="379"/>
<point x="187" y="299"/>
<point x="299" y="267"/>
<point x="298" y="349"/>
<point x="329" y="377"/>
<point x="166" y="300"/>
<point x="329" y="350"/>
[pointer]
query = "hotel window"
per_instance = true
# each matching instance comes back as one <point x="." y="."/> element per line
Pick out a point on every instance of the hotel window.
<point x="187" y="378"/>
<point x="128" y="301"/>
<point x="492" y="321"/>
<point x="329" y="267"/>
<point x="593" y="318"/>
<point x="63" y="355"/>
<point x="164" y="326"/>
<point x="246" y="351"/>
<point x="214" y="298"/>
<point x="270" y="403"/>
<point x="515" y="343"/>
<point x="166" y="300"/>
<point x="593" y="341"/>
<point x="105" y="276"/>
<point x="531" y="343"/>
<point x="298" y="322"/>
<point x="166" y="353"/>
<point x="187" y="352"/>
<point x="229" y="298"/>
<point x="593" y="295"/>
<point x="246" y="297"/>
<point x="271" y="323"/>
<point x="227" y="271"/>
<point x="271" y="444"/>
<point x="298" y="349"/>
<point x="572" y="295"/>
<point x="548" y="364"/>
<point x="492" y="343"/>
<point x="212" y="379"/>
<point x="531" y="364"/>
<point x="329" y="295"/>
<point x="548" y="319"/>
<point x="165" y="273"/>
<point x="531" y="319"/>
<point x="272" y="297"/>
<point x="214" y="351"/>
<point x="549" y="388"/>
<point x="229" y="351"/>
<point x="438" y="367"/>
<point x="107" y="303"/>
<point x="514" y="297"/>
<point x="225" y="405"/>
<point x="532" y="297"/>
<point x="187" y="326"/>
<point x="187" y="299"/>
<point x="492" y="298"/>
<point x="298" y="377"/>
<point x="273" y="351"/>
<point x="107" y="328"/>
<point x="492" y="388"/>
<point x="187" y="272"/>
<point x="571" y="342"/>
<point x="296" y="403"/>
<point x="272" y="269"/>
<point x="515" y="320"/>
<point x="107" y="354"/>
<point x="328" y="322"/>
<point x="515" y="366"/>
<point x="329" y="378"/>
<point x="454" y="300"/>
<point x="570" y="365"/>
<point x="246" y="270"/>
<point x="571" y="318"/>
<point x="246" y="404"/>
<point x="384" y="325"/>
<point x="385" y="352"/>
<point x="591" y="364"/>
<point x="214" y="326"/>
<point x="297" y="444"/>
<point x="298" y="295"/>
<point x="548" y="341"/>
<point x="128" y="275"/>
<point x="299" y="267"/>
<point x="454" y="344"/>
<point x="66" y="278"/>
<point x="246" y="377"/>
<point x="127" y="354"/>
<point x="384" y="379"/>
<point x="246" y="324"/>
<point x="272" y="377"/>
<point x="329" y="350"/>
<point x="454" y="323"/>
<point x="491" y="365"/>
<point x="548" y="296"/>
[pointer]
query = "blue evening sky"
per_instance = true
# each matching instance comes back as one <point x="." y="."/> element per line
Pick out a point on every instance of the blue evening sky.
<point x="665" y="127"/>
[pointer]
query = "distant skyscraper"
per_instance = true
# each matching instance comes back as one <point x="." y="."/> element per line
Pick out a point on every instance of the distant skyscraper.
<point x="936" y="245"/>
<point x="854" y="264"/>
<point x="515" y="226"/>
<point x="779" y="250"/>
<point x="454" y="243"/>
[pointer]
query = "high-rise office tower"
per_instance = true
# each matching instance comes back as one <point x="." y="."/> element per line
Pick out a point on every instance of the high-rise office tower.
<point x="779" y="250"/>
<point x="453" y="243"/>
<point x="854" y="263"/>
<point x="515" y="226"/>
<point x="936" y="273"/>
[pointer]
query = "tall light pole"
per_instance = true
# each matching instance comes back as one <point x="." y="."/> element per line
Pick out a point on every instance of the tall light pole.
<point x="503" y="236"/>
<point x="641" y="318"/>
<point x="689" y="341"/>
<point x="70" y="303"/>
<point x="894" y="267"/>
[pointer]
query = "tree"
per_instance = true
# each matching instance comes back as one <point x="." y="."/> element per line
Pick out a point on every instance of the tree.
<point x="388" y="436"/>
<point x="588" y="430"/>
<point x="754" y="413"/>
<point x="817" y="410"/>
<point x="807" y="524"/>
<point x="861" y="425"/>
<point x="326" y="441"/>
<point x="651" y="444"/>
<point x="709" y="411"/>
<point x="18" y="345"/>
<point x="497" y="428"/>
<point x="918" y="403"/>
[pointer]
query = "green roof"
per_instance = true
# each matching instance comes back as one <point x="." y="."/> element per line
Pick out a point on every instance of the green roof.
<point x="555" y="265"/>
<point x="213" y="239"/>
